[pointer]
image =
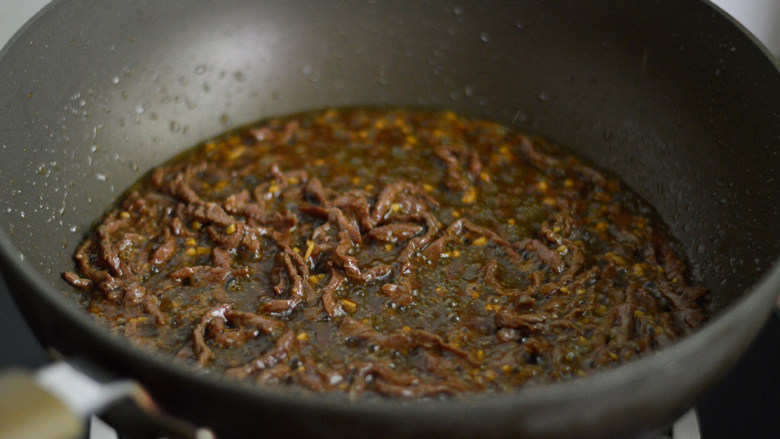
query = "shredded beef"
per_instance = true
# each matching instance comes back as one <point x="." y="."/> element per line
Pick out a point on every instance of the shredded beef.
<point x="400" y="253"/>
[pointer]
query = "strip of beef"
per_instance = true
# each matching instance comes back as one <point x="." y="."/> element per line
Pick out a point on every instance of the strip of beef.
<point x="332" y="307"/>
<point x="282" y="349"/>
<point x="296" y="292"/>
<point x="396" y="232"/>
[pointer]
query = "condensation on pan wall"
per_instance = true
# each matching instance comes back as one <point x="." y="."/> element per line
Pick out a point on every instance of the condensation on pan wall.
<point x="761" y="17"/>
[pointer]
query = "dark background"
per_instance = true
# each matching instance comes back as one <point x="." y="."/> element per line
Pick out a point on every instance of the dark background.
<point x="746" y="404"/>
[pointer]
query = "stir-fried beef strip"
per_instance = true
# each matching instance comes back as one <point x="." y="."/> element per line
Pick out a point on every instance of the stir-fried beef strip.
<point x="389" y="252"/>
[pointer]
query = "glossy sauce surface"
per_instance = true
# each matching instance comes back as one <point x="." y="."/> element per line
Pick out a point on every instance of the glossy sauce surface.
<point x="394" y="252"/>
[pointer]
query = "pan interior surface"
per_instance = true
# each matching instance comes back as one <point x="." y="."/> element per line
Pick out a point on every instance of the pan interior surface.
<point x="671" y="97"/>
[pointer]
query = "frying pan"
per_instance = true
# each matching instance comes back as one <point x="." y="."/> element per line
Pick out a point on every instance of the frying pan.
<point x="671" y="95"/>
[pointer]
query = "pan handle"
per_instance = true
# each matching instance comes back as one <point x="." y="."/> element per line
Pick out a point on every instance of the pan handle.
<point x="28" y="410"/>
<point x="54" y="402"/>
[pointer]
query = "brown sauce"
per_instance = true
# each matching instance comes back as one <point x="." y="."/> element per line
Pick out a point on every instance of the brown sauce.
<point x="394" y="252"/>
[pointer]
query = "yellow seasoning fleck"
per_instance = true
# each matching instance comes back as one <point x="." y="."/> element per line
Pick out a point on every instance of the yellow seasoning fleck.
<point x="562" y="249"/>
<point x="221" y="185"/>
<point x="470" y="195"/>
<point x="273" y="188"/>
<point x="638" y="313"/>
<point x="190" y="251"/>
<point x="355" y="180"/>
<point x="479" y="355"/>
<point x="601" y="310"/>
<point x="368" y="187"/>
<point x="484" y="176"/>
<point x="456" y="214"/>
<point x="564" y="289"/>
<point x="349" y="305"/>
<point x="580" y="291"/>
<point x="638" y="270"/>
<point x="124" y="215"/>
<point x="479" y="242"/>
<point x="568" y="183"/>
<point x="389" y="247"/>
<point x="316" y="278"/>
<point x="455" y="253"/>
<point x="395" y="207"/>
<point x="619" y="260"/>
<point x="293" y="180"/>
<point x="543" y="186"/>
<point x="231" y="229"/>
<point x="614" y="356"/>
<point x="406" y="329"/>
<point x="659" y="330"/>
<point x="237" y="152"/>
<point x="302" y="336"/>
<point x="511" y="221"/>
<point x="492" y="307"/>
<point x="549" y="201"/>
<point x="196" y="225"/>
<point x="506" y="368"/>
<point x="203" y="250"/>
<point x="475" y="294"/>
<point x="427" y="187"/>
<point x="318" y="162"/>
<point x="490" y="375"/>
<point x="309" y="249"/>
<point x="190" y="242"/>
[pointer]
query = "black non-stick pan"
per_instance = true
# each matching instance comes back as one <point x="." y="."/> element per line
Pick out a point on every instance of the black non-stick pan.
<point x="671" y="95"/>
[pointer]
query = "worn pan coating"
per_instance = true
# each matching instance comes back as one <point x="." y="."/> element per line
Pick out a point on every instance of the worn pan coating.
<point x="669" y="94"/>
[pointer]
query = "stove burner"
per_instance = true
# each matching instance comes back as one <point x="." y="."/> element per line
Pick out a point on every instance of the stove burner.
<point x="687" y="427"/>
